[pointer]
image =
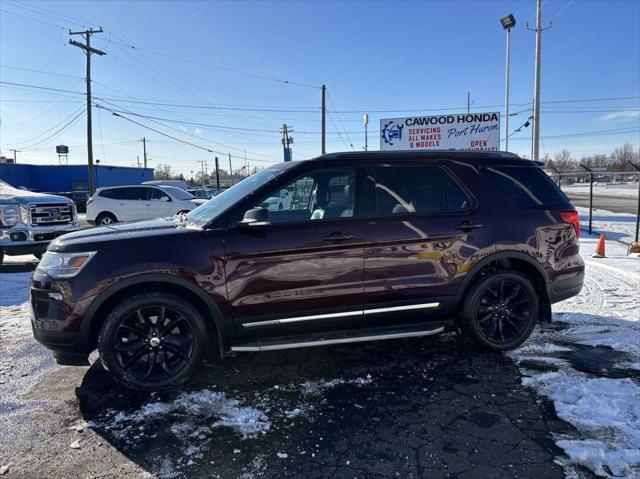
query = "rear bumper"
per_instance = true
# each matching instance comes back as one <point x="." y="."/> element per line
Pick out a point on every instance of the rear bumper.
<point x="565" y="288"/>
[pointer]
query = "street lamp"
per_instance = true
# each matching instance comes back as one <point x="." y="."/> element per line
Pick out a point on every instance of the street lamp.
<point x="508" y="22"/>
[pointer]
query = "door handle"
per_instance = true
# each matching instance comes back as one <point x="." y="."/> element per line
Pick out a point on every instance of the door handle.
<point x="467" y="226"/>
<point x="337" y="236"/>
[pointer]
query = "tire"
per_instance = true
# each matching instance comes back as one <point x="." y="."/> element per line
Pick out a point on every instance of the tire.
<point x="104" y="219"/>
<point x="500" y="311"/>
<point x="135" y="350"/>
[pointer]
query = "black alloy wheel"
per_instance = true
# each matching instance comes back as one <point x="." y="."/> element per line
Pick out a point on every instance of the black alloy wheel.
<point x="501" y="310"/>
<point x="153" y="341"/>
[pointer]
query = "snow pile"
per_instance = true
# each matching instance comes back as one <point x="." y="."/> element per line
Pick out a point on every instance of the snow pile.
<point x="204" y="405"/>
<point x="606" y="412"/>
<point x="580" y="361"/>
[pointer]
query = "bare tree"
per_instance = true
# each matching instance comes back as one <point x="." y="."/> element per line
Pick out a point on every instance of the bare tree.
<point x="563" y="161"/>
<point x="164" y="172"/>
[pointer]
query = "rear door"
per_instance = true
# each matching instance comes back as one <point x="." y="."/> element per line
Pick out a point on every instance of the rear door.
<point x="426" y="231"/>
<point x="303" y="272"/>
<point x="124" y="202"/>
<point x="158" y="204"/>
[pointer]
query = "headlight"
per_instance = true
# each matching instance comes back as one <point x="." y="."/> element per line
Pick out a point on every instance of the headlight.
<point x="9" y="215"/>
<point x="63" y="265"/>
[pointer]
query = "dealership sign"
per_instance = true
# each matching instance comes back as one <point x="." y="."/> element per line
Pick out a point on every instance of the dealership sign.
<point x="464" y="131"/>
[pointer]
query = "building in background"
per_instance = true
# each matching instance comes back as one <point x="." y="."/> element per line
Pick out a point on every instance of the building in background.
<point x="62" y="178"/>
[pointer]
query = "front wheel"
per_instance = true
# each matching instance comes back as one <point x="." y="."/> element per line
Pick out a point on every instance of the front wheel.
<point x="153" y="341"/>
<point x="500" y="311"/>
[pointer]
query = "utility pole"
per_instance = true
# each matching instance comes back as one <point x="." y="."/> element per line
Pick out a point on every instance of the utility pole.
<point x="88" y="51"/>
<point x="365" y="121"/>
<point x="230" y="170"/>
<point x="202" y="164"/>
<point x="535" y="146"/>
<point x="217" y="175"/>
<point x="324" y="119"/>
<point x="15" y="160"/>
<point x="468" y="102"/>
<point x="144" y="150"/>
<point x="286" y="142"/>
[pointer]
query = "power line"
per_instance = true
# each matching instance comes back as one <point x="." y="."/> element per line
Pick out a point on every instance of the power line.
<point x="47" y="130"/>
<point x="180" y="140"/>
<point x="41" y="71"/>
<point x="57" y="132"/>
<point x="339" y="119"/>
<point x="217" y="67"/>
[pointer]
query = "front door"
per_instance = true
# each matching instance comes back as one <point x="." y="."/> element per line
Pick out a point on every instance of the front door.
<point x="425" y="233"/>
<point x="303" y="272"/>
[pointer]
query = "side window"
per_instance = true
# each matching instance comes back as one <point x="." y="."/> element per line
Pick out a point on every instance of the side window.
<point x="456" y="198"/>
<point x="158" y="195"/>
<point x="136" y="194"/>
<point x="319" y="195"/>
<point x="401" y="190"/>
<point x="526" y="185"/>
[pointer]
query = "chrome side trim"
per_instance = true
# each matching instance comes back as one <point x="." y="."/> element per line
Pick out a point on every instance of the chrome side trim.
<point x="345" y="314"/>
<point x="325" y="342"/>
<point x="409" y="307"/>
<point x="303" y="318"/>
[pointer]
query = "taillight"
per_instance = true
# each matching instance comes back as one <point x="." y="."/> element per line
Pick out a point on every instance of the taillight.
<point x="89" y="201"/>
<point x="572" y="218"/>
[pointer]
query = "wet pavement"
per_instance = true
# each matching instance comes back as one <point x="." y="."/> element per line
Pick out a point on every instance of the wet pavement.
<point x="423" y="408"/>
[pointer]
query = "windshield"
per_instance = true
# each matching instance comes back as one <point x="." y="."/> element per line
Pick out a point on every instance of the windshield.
<point x="222" y="202"/>
<point x="178" y="193"/>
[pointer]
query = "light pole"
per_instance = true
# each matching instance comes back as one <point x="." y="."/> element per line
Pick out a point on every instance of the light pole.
<point x="508" y="22"/>
<point x="365" y="121"/>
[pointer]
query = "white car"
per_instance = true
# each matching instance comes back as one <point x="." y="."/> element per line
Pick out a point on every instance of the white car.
<point x="281" y="201"/>
<point x="138" y="202"/>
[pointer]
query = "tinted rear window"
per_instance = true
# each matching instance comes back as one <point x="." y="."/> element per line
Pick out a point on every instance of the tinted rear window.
<point x="526" y="185"/>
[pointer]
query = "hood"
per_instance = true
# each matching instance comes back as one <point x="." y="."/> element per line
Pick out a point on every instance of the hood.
<point x="121" y="235"/>
<point x="9" y="194"/>
<point x="198" y="201"/>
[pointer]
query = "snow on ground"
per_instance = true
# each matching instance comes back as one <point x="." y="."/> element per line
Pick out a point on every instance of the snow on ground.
<point x="14" y="299"/>
<point x="621" y="190"/>
<point x="615" y="226"/>
<point x="195" y="415"/>
<point x="587" y="360"/>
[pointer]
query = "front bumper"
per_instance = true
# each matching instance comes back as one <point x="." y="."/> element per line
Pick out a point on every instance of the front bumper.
<point x="32" y="240"/>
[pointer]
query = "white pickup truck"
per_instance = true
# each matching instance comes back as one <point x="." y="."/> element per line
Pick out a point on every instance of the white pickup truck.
<point x="30" y="221"/>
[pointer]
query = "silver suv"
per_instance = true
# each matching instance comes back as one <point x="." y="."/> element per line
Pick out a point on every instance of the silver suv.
<point x="29" y="221"/>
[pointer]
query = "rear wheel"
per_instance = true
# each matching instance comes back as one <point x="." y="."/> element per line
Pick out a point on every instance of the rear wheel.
<point x="500" y="311"/>
<point x="104" y="219"/>
<point x="153" y="341"/>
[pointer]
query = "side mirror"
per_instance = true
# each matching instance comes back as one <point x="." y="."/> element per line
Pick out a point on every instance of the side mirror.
<point x="256" y="217"/>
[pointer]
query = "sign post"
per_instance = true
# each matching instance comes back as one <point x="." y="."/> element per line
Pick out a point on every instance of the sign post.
<point x="464" y="131"/>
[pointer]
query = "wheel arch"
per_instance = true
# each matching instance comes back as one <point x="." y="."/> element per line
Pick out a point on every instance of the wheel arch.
<point x="514" y="261"/>
<point x="100" y="307"/>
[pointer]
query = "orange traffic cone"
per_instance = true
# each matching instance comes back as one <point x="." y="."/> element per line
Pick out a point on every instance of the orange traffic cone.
<point x="600" y="247"/>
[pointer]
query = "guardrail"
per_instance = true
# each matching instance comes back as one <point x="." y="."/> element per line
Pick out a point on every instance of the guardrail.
<point x="618" y="191"/>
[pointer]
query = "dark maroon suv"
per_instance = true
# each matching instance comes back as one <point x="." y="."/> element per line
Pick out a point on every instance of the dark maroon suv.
<point x="346" y="247"/>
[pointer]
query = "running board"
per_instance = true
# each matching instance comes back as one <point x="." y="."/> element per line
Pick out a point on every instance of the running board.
<point x="335" y="338"/>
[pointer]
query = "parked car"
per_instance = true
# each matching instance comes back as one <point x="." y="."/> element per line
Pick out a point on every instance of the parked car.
<point x="29" y="221"/>
<point x="138" y="202"/>
<point x="202" y="193"/>
<point x="383" y="245"/>
<point x="176" y="183"/>
<point x="79" y="198"/>
<point x="280" y="201"/>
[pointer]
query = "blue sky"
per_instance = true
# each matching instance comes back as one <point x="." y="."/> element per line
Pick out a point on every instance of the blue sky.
<point x="373" y="56"/>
